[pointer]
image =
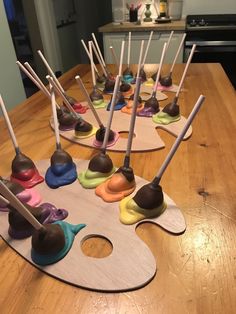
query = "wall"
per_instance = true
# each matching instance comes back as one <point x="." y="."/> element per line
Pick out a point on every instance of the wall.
<point x="209" y="7"/>
<point x="191" y="7"/>
<point x="11" y="86"/>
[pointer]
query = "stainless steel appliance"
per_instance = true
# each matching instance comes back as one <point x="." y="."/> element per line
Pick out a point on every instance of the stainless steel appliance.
<point x="215" y="37"/>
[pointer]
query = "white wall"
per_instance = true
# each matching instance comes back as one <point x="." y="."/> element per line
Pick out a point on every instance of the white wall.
<point x="11" y="86"/>
<point x="209" y="7"/>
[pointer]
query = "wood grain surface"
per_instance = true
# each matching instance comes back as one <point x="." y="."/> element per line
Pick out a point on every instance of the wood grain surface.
<point x="196" y="271"/>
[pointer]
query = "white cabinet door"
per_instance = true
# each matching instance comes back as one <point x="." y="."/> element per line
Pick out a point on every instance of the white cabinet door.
<point x="154" y="53"/>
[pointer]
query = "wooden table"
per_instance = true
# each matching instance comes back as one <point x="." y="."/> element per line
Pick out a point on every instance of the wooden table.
<point x="196" y="270"/>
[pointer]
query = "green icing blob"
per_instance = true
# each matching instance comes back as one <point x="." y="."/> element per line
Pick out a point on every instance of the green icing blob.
<point x="91" y="179"/>
<point x="164" y="118"/>
<point x="99" y="103"/>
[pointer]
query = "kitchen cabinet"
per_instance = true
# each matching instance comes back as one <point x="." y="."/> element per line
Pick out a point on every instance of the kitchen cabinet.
<point x="154" y="54"/>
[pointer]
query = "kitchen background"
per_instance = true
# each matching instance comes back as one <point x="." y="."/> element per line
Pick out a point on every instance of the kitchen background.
<point x="56" y="27"/>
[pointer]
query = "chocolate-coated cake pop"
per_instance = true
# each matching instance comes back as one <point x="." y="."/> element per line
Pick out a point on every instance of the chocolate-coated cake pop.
<point x="151" y="107"/>
<point x="169" y="114"/>
<point x="101" y="133"/>
<point x="120" y="102"/>
<point x="66" y="119"/>
<point x="84" y="129"/>
<point x="97" y="99"/>
<point x="166" y="81"/>
<point x="29" y="196"/>
<point x="24" y="171"/>
<point x="109" y="85"/>
<point x="100" y="168"/>
<point x="62" y="170"/>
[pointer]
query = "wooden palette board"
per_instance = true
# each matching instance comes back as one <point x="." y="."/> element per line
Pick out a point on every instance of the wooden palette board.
<point x="131" y="264"/>
<point x="146" y="137"/>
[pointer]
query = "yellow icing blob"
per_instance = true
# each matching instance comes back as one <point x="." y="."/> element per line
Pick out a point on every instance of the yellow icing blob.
<point x="131" y="213"/>
<point x="86" y="134"/>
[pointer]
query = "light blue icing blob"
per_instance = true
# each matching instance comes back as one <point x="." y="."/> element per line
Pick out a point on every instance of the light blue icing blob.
<point x="70" y="232"/>
<point x="118" y="106"/>
<point x="66" y="177"/>
<point x="128" y="78"/>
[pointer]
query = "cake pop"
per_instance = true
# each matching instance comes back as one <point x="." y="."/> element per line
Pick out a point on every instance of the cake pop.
<point x="62" y="170"/>
<point x="29" y="196"/>
<point x="128" y="108"/>
<point x="120" y="102"/>
<point x="128" y="74"/>
<point x="167" y="80"/>
<point x="79" y="122"/>
<point x="126" y="89"/>
<point x="24" y="170"/>
<point x="67" y="120"/>
<point x="171" y="112"/>
<point x="122" y="183"/>
<point x="148" y="202"/>
<point x="151" y="105"/>
<point x="100" y="167"/>
<point x="50" y="242"/>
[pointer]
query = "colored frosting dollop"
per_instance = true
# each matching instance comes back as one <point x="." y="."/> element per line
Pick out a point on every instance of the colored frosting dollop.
<point x="121" y="184"/>
<point x="120" y="102"/>
<point x="99" y="169"/>
<point x="62" y="170"/>
<point x="168" y="115"/>
<point x="97" y="99"/>
<point x="148" y="202"/>
<point x="24" y="171"/>
<point x="151" y="107"/>
<point x="51" y="245"/>
<point x="84" y="129"/>
<point x="66" y="119"/>
<point x="29" y="196"/>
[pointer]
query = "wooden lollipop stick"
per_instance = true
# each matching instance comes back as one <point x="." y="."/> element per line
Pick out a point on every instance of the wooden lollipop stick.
<point x="82" y="87"/>
<point x="140" y="56"/>
<point x="50" y="71"/>
<point x="99" y="60"/>
<point x="9" y="126"/>
<point x="178" y="140"/>
<point x="159" y="68"/>
<point x="88" y="54"/>
<point x="134" y="109"/>
<point x="91" y="63"/>
<point x="35" y="76"/>
<point x="98" y="49"/>
<point x="62" y="95"/>
<point x="129" y="45"/>
<point x="114" y="56"/>
<point x="185" y="70"/>
<point x="147" y="48"/>
<point x="113" y="101"/>
<point x="55" y="120"/>
<point x="13" y="200"/>
<point x="177" y="53"/>
<point x="33" y="79"/>
<point x="169" y="39"/>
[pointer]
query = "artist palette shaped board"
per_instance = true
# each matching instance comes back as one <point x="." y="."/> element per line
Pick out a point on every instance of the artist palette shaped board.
<point x="131" y="264"/>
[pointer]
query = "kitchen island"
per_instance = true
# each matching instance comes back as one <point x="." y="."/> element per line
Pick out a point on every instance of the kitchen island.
<point x="196" y="270"/>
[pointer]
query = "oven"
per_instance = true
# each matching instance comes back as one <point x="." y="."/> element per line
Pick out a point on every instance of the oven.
<point x="215" y="37"/>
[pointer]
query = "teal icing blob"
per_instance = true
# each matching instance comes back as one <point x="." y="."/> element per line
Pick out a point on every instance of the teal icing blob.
<point x="70" y="232"/>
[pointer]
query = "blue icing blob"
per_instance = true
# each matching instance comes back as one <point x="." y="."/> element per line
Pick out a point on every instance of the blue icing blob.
<point x="118" y="106"/>
<point x="70" y="232"/>
<point x="54" y="181"/>
<point x="59" y="169"/>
